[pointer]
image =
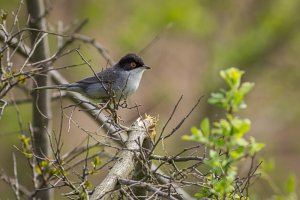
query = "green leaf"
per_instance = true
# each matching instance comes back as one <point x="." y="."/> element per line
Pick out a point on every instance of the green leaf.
<point x="58" y="173"/>
<point x="4" y="15"/>
<point x="22" y="79"/>
<point x="219" y="143"/>
<point x="196" y="132"/>
<point x="235" y="155"/>
<point x="52" y="171"/>
<point x="197" y="136"/>
<point x="240" y="126"/>
<point x="205" y="127"/>
<point x="225" y="126"/>
<point x="45" y="163"/>
<point x="232" y="99"/>
<point x="38" y="170"/>
<point x="88" y="185"/>
<point x="213" y="154"/>
<point x="231" y="174"/>
<point x="92" y="172"/>
<point x="246" y="88"/>
<point x="241" y="142"/>
<point x="217" y="95"/>
<point x="238" y="153"/>
<point x="254" y="146"/>
<point x="96" y="162"/>
<point x="232" y="77"/>
<point x="194" y="136"/>
<point x="242" y="105"/>
<point x="25" y="140"/>
<point x="27" y="150"/>
<point x="217" y="99"/>
<point x="187" y="137"/>
<point x="291" y="184"/>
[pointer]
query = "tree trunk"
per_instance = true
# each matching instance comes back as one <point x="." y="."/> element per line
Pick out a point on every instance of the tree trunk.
<point x="41" y="110"/>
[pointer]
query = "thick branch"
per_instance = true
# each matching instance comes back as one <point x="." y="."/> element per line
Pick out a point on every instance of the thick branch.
<point x="125" y="165"/>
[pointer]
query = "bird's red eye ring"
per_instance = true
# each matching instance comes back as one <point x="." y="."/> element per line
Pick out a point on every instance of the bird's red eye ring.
<point x="133" y="64"/>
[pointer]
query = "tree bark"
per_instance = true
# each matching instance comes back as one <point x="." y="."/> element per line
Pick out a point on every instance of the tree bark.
<point x="41" y="110"/>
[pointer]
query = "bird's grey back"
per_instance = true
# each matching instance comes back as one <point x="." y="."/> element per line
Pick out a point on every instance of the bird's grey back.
<point x="104" y="83"/>
<point x="108" y="75"/>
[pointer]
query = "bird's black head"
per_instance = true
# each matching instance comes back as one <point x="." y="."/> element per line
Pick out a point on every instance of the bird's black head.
<point x="132" y="61"/>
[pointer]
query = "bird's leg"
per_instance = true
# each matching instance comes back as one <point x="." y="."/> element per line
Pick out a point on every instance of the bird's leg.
<point x="110" y="108"/>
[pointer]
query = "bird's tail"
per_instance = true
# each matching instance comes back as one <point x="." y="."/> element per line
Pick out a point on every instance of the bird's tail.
<point x="60" y="87"/>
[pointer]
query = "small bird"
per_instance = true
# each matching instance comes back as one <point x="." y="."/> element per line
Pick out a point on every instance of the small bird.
<point x="118" y="82"/>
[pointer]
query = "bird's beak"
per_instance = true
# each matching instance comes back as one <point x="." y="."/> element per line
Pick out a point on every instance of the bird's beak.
<point x="146" y="67"/>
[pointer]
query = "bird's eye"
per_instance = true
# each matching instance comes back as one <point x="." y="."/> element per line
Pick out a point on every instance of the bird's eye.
<point x="133" y="64"/>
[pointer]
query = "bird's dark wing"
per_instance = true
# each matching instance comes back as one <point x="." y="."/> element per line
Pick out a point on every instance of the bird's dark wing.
<point x="107" y="76"/>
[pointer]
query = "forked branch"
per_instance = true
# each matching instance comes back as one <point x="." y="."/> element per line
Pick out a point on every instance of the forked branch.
<point x="127" y="159"/>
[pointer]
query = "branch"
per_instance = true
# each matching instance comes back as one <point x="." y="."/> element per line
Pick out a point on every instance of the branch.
<point x="147" y="186"/>
<point x="125" y="165"/>
<point x="96" y="44"/>
<point x="12" y="182"/>
<point x="182" y="194"/>
<point x="176" y="158"/>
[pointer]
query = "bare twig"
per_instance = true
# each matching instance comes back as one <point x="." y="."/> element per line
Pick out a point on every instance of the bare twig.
<point x="147" y="186"/>
<point x="97" y="45"/>
<point x="17" y="192"/>
<point x="176" y="158"/>
<point x="156" y="38"/>
<point x="12" y="182"/>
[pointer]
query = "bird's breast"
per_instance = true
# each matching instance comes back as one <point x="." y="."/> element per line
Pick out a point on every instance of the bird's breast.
<point x="132" y="81"/>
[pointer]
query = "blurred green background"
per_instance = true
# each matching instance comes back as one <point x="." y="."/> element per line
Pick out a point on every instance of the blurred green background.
<point x="196" y="40"/>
